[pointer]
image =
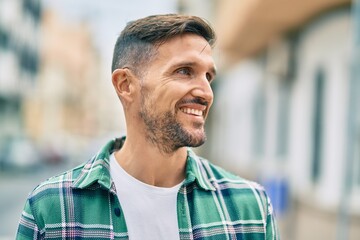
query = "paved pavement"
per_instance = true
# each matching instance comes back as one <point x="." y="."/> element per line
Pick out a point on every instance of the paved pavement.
<point x="14" y="188"/>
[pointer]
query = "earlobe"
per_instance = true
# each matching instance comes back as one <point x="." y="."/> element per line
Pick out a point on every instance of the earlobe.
<point x="122" y="83"/>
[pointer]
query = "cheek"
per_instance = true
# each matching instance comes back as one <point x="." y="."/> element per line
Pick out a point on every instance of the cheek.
<point x="165" y="97"/>
<point x="169" y="98"/>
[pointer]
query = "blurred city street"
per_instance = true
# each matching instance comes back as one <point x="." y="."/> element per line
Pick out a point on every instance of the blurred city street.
<point x="286" y="110"/>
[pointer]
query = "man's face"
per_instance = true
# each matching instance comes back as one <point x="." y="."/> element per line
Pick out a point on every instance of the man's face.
<point x="175" y="94"/>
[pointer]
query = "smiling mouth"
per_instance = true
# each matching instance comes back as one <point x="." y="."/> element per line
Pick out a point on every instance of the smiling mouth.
<point x="192" y="111"/>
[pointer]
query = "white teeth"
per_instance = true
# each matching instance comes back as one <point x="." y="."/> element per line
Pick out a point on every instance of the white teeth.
<point x="192" y="111"/>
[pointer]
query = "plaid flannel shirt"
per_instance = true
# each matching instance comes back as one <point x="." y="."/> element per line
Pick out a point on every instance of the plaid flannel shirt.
<point x="82" y="204"/>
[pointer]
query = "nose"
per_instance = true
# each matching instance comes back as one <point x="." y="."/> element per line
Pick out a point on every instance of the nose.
<point x="203" y="90"/>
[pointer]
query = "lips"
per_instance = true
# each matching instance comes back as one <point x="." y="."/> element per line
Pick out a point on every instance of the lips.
<point x="196" y="107"/>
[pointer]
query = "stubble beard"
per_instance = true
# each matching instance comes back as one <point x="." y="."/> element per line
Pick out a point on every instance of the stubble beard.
<point x="166" y="132"/>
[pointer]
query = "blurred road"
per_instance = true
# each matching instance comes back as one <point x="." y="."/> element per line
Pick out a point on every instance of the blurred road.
<point x="14" y="189"/>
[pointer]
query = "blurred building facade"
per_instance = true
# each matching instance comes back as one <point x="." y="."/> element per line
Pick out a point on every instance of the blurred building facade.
<point x="19" y="65"/>
<point x="72" y="104"/>
<point x="55" y="95"/>
<point x="285" y="109"/>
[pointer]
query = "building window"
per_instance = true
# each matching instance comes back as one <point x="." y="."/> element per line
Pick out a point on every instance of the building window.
<point x="33" y="8"/>
<point x="258" y="143"/>
<point x="318" y="120"/>
<point x="4" y="39"/>
<point x="354" y="127"/>
<point x="283" y="118"/>
<point x="357" y="164"/>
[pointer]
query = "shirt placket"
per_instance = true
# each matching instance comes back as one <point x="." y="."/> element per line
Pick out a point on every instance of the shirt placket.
<point x="118" y="219"/>
<point x="184" y="220"/>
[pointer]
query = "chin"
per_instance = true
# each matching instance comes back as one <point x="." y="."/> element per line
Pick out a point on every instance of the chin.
<point x="198" y="143"/>
<point x="197" y="139"/>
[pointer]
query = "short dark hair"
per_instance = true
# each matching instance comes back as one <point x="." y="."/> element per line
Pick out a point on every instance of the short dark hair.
<point x="139" y="40"/>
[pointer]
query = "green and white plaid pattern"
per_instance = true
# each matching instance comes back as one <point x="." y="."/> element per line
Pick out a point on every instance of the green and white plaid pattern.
<point x="82" y="204"/>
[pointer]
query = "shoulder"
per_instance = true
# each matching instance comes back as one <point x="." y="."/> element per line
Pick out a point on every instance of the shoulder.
<point x="217" y="178"/>
<point x="91" y="175"/>
<point x="55" y="185"/>
<point x="233" y="185"/>
<point x="219" y="175"/>
<point x="247" y="199"/>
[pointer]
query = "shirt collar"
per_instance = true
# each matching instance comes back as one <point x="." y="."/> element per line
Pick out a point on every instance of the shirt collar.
<point x="196" y="171"/>
<point x="97" y="170"/>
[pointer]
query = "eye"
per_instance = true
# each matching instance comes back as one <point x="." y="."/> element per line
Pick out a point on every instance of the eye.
<point x="184" y="71"/>
<point x="209" y="77"/>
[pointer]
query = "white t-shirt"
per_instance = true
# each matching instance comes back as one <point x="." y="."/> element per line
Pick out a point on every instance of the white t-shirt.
<point x="150" y="212"/>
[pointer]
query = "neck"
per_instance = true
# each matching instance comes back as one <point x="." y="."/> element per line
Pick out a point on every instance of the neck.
<point x="147" y="163"/>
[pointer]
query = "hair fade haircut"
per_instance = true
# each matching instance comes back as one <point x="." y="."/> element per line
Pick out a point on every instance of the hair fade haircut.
<point x="137" y="43"/>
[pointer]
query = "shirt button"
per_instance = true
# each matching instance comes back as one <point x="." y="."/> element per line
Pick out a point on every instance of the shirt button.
<point x="117" y="212"/>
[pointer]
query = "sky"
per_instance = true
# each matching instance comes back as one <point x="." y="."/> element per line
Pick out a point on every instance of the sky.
<point x="107" y="18"/>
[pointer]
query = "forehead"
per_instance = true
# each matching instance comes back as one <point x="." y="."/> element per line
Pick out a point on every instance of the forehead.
<point x="186" y="47"/>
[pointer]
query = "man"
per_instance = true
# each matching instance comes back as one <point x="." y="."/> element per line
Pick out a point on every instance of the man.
<point x="151" y="185"/>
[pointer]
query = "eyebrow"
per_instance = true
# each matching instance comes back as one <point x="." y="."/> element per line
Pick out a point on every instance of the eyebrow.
<point x="191" y="64"/>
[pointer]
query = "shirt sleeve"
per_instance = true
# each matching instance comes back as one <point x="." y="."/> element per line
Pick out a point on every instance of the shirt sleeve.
<point x="272" y="231"/>
<point x="28" y="228"/>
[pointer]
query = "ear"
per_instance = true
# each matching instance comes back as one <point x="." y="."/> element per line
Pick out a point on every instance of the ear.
<point x="123" y="82"/>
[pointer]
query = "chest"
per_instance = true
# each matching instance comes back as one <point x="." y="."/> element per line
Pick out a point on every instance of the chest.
<point x="199" y="215"/>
